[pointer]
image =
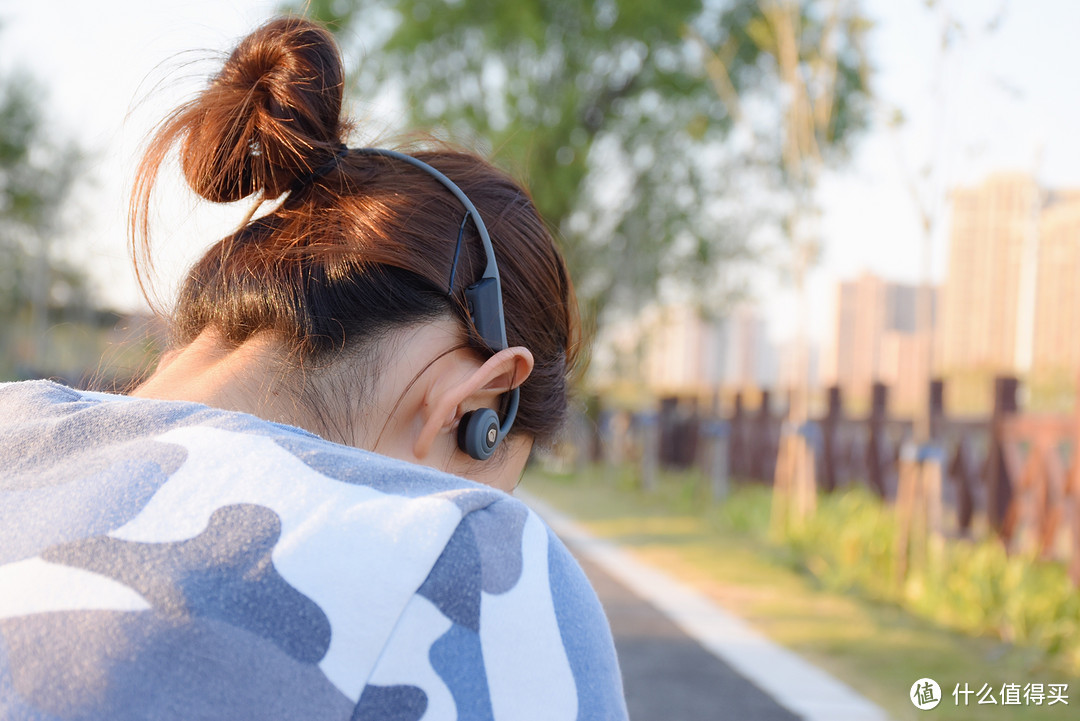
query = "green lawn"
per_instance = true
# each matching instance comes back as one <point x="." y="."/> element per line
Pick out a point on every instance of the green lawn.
<point x="876" y="648"/>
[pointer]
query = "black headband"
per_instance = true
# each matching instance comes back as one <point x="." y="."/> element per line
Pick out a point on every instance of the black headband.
<point x="313" y="175"/>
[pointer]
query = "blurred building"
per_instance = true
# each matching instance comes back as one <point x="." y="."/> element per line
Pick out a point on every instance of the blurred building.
<point x="682" y="351"/>
<point x="987" y="303"/>
<point x="749" y="358"/>
<point x="688" y="354"/>
<point x="1057" y="300"/>
<point x="876" y="339"/>
<point x="1011" y="302"/>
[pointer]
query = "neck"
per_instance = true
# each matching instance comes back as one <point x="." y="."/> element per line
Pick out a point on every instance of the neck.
<point x="254" y="377"/>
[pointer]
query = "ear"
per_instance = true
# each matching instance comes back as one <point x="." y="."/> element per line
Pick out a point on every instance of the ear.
<point x="451" y="396"/>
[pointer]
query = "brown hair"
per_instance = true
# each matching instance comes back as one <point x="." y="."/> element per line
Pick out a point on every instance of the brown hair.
<point x="364" y="246"/>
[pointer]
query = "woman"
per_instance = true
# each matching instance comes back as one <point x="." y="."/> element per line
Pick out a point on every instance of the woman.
<point x="276" y="525"/>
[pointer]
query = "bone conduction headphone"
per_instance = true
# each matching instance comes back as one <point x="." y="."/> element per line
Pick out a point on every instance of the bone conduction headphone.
<point x="480" y="431"/>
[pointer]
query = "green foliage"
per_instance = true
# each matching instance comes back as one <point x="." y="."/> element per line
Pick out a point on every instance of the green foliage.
<point x="745" y="512"/>
<point x="847" y="547"/>
<point x="605" y="109"/>
<point x="1050" y="390"/>
<point x="848" y="544"/>
<point x="976" y="588"/>
<point x="752" y="42"/>
<point x="36" y="176"/>
<point x="877" y="647"/>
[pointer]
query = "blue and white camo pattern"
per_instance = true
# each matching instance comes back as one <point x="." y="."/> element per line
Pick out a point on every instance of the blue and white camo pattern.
<point x="163" y="560"/>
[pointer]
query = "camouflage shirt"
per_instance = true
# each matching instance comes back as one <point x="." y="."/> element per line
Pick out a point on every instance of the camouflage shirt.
<point x="165" y="560"/>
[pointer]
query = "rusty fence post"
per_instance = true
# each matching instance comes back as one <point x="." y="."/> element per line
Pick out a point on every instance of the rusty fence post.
<point x="961" y="474"/>
<point x="666" y="432"/>
<point x="998" y="486"/>
<point x="737" y="447"/>
<point x="762" y="456"/>
<point x="936" y="402"/>
<point x="875" y="461"/>
<point x="830" y="426"/>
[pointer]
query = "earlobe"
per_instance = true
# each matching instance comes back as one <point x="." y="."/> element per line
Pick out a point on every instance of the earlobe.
<point x="450" y="398"/>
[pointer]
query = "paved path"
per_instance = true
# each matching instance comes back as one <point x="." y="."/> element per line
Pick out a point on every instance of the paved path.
<point x="685" y="659"/>
<point x="667" y="675"/>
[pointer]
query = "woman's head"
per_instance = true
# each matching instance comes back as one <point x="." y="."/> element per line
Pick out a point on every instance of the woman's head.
<point x="359" y="256"/>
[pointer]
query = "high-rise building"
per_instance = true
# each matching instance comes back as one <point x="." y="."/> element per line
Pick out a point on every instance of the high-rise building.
<point x="988" y="302"/>
<point x="876" y="338"/>
<point x="1057" y="304"/>
<point x="676" y="350"/>
<point x="749" y="359"/>
<point x="1012" y="297"/>
<point x="686" y="354"/>
<point x="682" y="356"/>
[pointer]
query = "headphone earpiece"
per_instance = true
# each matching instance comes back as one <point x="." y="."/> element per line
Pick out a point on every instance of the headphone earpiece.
<point x="478" y="433"/>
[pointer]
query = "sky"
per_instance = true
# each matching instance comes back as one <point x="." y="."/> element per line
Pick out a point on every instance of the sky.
<point x="1004" y="97"/>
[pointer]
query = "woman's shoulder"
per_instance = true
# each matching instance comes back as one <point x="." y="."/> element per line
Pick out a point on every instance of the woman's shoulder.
<point x="76" y="467"/>
<point x="308" y="552"/>
<point x="221" y="539"/>
<point x="510" y="626"/>
<point x="54" y="423"/>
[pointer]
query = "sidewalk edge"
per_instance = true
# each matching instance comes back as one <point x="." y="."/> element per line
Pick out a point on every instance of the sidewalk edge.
<point x="793" y="682"/>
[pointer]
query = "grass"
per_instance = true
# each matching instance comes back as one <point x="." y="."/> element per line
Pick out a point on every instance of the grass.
<point x="875" y="647"/>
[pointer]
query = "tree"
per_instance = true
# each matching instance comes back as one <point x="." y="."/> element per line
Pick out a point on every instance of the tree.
<point x="820" y="63"/>
<point x="37" y="174"/>
<point x="604" y="105"/>
<point x="810" y="60"/>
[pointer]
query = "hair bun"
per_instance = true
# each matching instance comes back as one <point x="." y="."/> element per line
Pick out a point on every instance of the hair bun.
<point x="271" y="115"/>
